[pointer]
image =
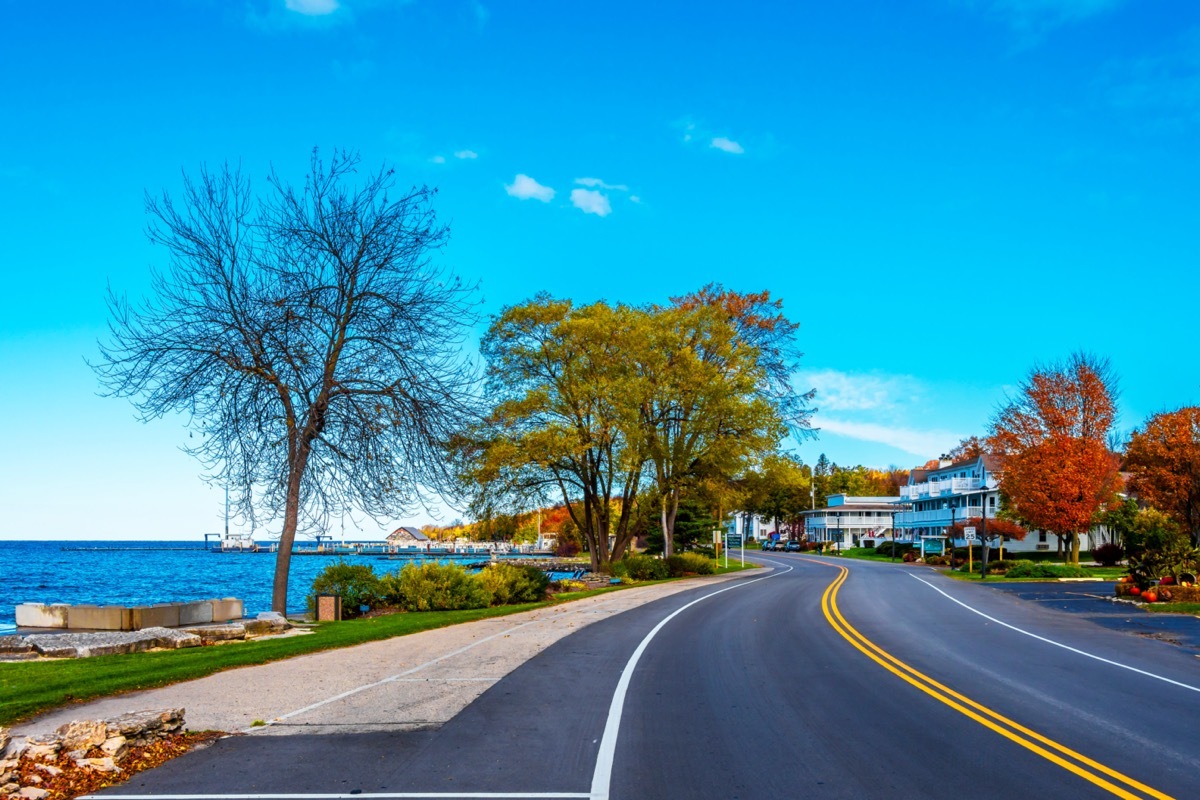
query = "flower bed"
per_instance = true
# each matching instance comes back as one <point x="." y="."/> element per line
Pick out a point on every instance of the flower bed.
<point x="1173" y="593"/>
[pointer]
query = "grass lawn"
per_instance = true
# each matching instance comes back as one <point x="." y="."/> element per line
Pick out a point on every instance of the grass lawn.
<point x="1095" y="573"/>
<point x="31" y="687"/>
<point x="1172" y="608"/>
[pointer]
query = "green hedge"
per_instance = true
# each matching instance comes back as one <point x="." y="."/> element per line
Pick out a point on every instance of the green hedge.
<point x="689" y="564"/>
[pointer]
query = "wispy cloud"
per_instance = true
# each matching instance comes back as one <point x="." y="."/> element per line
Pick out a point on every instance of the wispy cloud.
<point x="591" y="202"/>
<point x="312" y="8"/>
<point x="1032" y="17"/>
<point x="437" y="160"/>
<point x="845" y="391"/>
<point x="596" y="183"/>
<point x="727" y="145"/>
<point x="923" y="444"/>
<point x="466" y="154"/>
<point x="526" y="188"/>
<point x="1158" y="90"/>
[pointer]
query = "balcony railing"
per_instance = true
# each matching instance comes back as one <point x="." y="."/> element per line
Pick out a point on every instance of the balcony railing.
<point x="921" y="491"/>
<point x="849" y="521"/>
<point x="939" y="516"/>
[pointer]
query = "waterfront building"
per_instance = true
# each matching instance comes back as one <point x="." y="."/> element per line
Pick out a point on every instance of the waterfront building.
<point x="848" y="521"/>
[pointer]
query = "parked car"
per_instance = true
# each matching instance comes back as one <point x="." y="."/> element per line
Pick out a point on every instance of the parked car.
<point x="767" y="544"/>
<point x="792" y="547"/>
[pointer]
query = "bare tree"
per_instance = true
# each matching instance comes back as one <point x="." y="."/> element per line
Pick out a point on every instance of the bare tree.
<point x="308" y="338"/>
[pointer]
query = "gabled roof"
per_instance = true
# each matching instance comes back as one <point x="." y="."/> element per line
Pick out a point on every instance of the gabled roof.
<point x="407" y="534"/>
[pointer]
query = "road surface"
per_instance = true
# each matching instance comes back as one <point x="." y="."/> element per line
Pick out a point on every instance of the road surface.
<point x="824" y="678"/>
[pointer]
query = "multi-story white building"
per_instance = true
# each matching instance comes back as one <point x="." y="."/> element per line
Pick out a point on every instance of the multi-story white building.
<point x="850" y="521"/>
<point x="936" y="499"/>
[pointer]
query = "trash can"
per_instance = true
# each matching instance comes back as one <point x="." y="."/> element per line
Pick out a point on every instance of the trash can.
<point x="329" y="608"/>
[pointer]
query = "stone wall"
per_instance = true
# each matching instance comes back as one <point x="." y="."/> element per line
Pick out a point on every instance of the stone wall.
<point x="98" y="745"/>
<point x="128" y="618"/>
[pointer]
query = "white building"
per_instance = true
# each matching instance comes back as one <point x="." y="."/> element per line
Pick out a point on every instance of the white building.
<point x="936" y="499"/>
<point x="851" y="521"/>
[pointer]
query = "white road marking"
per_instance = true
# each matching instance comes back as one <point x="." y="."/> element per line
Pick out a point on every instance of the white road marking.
<point x="1060" y="644"/>
<point x="390" y="679"/>
<point x="345" y="796"/>
<point x="602" y="776"/>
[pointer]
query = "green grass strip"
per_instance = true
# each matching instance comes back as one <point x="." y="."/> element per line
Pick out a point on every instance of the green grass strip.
<point x="28" y="688"/>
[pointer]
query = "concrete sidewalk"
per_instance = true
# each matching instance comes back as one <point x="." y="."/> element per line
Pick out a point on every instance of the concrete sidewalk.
<point x="408" y="682"/>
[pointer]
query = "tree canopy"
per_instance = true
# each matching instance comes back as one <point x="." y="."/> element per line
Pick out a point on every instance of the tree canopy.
<point x="1058" y="474"/>
<point x="307" y="337"/>
<point x="1163" y="458"/>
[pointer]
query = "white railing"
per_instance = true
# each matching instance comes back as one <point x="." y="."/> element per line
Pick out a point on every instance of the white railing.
<point x="940" y="516"/>
<point x="849" y="521"/>
<point x="940" y="488"/>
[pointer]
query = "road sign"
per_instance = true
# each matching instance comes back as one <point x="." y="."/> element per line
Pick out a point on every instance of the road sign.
<point x="733" y="540"/>
<point x="969" y="534"/>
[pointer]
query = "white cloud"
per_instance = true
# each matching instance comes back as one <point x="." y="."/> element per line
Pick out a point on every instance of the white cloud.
<point x="596" y="183"/>
<point x="438" y="159"/>
<point x="526" y="188"/>
<point x="466" y="154"/>
<point x="633" y="198"/>
<point x="924" y="444"/>
<point x="591" y="202"/>
<point x="727" y="145"/>
<point x="312" y="8"/>
<point x="843" y="391"/>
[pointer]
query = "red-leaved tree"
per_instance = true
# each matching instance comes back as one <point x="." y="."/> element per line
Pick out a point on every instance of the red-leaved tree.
<point x="1058" y="473"/>
<point x="1163" y="458"/>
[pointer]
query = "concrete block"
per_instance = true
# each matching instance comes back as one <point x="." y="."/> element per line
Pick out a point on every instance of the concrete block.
<point x="40" y="615"/>
<point x="198" y="613"/>
<point x="99" y="618"/>
<point x="227" y="609"/>
<point x="160" y="615"/>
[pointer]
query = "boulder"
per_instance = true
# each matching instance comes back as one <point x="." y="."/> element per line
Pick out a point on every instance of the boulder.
<point x="105" y="764"/>
<point x="42" y="749"/>
<point x="31" y="793"/>
<point x="144" y="727"/>
<point x="49" y="769"/>
<point x="5" y="738"/>
<point x="12" y="643"/>
<point x="7" y="789"/>
<point x="115" y="747"/>
<point x="83" y="735"/>
<point x="212" y="634"/>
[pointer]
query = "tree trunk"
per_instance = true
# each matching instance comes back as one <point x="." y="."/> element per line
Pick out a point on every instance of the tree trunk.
<point x="670" y="509"/>
<point x="287" y="538"/>
<point x="1075" y="549"/>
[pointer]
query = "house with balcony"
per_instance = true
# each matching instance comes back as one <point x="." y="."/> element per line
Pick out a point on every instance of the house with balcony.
<point x="936" y="499"/>
<point x="849" y="521"/>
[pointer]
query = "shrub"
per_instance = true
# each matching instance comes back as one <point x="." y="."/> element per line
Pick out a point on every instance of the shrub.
<point x="640" y="567"/>
<point x="910" y="556"/>
<point x="689" y="564"/>
<point x="513" y="583"/>
<point x="356" y="584"/>
<point x="1030" y="569"/>
<point x="568" y="586"/>
<point x="566" y="548"/>
<point x="885" y="548"/>
<point x="434" y="587"/>
<point x="1108" y="555"/>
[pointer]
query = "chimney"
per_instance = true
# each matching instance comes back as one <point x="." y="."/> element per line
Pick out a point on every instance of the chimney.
<point x="944" y="462"/>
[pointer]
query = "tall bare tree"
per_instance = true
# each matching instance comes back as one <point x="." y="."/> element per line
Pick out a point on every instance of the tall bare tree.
<point x="309" y="339"/>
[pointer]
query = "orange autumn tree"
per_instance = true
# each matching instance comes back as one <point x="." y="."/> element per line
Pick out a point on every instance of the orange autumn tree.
<point x="1058" y="473"/>
<point x="1163" y="458"/>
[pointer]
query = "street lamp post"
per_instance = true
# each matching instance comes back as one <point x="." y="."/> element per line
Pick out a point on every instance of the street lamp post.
<point x="983" y="532"/>
<point x="949" y="533"/>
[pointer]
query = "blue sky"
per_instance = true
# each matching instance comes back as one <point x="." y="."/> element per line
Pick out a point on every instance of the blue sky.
<point x="943" y="192"/>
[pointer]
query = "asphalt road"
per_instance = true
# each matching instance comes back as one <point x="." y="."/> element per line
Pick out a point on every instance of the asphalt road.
<point x="825" y="678"/>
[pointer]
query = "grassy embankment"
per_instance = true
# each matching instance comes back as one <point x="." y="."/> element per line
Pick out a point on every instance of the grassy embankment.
<point x="31" y="687"/>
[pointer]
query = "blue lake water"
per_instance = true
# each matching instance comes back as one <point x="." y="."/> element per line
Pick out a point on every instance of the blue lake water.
<point x="136" y="573"/>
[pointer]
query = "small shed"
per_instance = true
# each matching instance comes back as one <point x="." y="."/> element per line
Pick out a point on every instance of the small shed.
<point x="406" y="535"/>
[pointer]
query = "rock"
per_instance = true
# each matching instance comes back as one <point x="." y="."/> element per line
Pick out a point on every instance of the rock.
<point x="49" y="769"/>
<point x="83" y="735"/>
<point x="212" y="634"/>
<point x="105" y="764"/>
<point x="115" y="747"/>
<point x="173" y="639"/>
<point x="143" y="727"/>
<point x="34" y="779"/>
<point x="12" y="643"/>
<point x="5" y="738"/>
<point x="42" y="750"/>
<point x="107" y="643"/>
<point x="8" y="788"/>
<point x="32" y="793"/>
<point x="273" y="616"/>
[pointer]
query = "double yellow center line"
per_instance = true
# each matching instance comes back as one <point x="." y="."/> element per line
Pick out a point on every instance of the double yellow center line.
<point x="1105" y="777"/>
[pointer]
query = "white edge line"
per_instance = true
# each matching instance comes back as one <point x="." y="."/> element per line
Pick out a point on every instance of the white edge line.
<point x="344" y="796"/>
<point x="1059" y="644"/>
<point x="602" y="776"/>
<point x="381" y="682"/>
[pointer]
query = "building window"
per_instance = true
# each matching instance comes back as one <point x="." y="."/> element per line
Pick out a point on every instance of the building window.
<point x="1042" y="537"/>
